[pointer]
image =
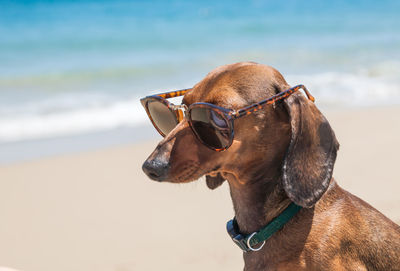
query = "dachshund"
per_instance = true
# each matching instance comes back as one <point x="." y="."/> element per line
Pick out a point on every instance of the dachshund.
<point x="282" y="154"/>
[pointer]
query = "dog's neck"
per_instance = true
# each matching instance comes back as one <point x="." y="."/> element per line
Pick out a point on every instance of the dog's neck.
<point x="256" y="202"/>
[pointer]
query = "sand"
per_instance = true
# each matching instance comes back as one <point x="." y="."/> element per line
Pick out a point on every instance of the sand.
<point x="98" y="211"/>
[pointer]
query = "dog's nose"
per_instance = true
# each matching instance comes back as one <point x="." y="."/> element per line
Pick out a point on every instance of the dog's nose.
<point x="156" y="170"/>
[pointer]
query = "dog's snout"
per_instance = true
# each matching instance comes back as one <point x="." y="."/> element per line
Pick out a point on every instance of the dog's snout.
<point x="155" y="169"/>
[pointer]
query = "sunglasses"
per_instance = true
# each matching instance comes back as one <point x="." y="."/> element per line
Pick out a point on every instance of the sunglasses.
<point x="211" y="124"/>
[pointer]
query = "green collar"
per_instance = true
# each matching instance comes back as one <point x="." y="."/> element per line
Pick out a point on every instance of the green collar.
<point x="247" y="242"/>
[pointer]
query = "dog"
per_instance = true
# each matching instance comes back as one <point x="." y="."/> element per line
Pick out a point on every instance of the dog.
<point x="283" y="154"/>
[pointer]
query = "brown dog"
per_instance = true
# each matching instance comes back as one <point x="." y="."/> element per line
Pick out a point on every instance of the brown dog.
<point x="281" y="154"/>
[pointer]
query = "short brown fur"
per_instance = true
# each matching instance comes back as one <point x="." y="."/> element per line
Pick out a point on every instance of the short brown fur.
<point x="281" y="154"/>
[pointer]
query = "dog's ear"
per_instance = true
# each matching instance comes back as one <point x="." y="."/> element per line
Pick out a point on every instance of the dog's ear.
<point x="309" y="161"/>
<point x="214" y="182"/>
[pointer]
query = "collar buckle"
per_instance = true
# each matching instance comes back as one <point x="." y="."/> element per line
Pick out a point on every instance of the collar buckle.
<point x="247" y="242"/>
<point x="237" y="237"/>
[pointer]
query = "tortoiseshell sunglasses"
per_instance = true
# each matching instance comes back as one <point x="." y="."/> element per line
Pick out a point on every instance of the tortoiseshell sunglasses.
<point x="212" y="124"/>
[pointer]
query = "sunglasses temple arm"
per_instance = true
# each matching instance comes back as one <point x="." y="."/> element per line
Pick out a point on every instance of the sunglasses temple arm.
<point x="309" y="96"/>
<point x="257" y="106"/>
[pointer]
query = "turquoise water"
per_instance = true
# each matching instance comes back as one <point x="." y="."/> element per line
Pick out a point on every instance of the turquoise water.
<point x="70" y="67"/>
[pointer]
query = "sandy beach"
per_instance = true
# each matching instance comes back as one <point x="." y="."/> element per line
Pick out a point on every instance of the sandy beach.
<point x="98" y="211"/>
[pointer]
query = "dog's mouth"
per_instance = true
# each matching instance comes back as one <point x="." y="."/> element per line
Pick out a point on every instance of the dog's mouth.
<point x="192" y="171"/>
<point x="186" y="172"/>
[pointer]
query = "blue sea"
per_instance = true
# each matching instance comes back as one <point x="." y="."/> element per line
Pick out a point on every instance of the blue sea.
<point x="79" y="67"/>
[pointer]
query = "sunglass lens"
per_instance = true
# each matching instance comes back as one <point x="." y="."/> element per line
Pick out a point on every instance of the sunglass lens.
<point x="163" y="118"/>
<point x="211" y="127"/>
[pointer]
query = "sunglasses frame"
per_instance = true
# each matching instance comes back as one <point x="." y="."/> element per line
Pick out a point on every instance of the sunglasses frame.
<point x="229" y="115"/>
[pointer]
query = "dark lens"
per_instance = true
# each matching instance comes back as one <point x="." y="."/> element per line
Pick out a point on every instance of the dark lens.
<point x="211" y="127"/>
<point x="162" y="116"/>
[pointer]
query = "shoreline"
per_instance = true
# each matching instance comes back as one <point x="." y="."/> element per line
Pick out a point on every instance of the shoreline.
<point x="36" y="149"/>
<point x="31" y="150"/>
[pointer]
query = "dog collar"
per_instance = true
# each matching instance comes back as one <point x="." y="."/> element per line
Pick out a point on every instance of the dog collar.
<point x="247" y="242"/>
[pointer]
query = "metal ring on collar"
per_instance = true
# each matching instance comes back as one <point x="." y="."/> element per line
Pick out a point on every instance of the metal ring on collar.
<point x="254" y="249"/>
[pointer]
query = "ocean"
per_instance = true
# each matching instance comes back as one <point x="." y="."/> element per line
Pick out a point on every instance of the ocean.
<point x="72" y="68"/>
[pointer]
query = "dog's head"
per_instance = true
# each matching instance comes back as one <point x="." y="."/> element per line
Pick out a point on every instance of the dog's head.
<point x="290" y="141"/>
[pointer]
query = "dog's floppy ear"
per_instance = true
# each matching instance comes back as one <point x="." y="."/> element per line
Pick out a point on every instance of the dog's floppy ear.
<point x="214" y="182"/>
<point x="309" y="161"/>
